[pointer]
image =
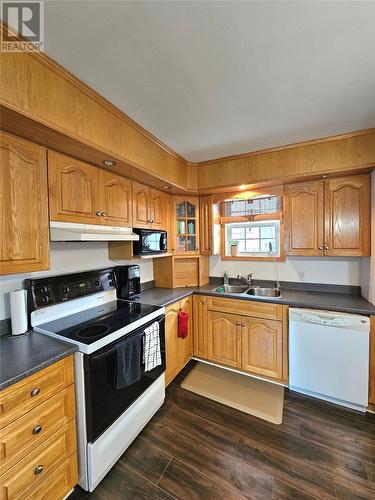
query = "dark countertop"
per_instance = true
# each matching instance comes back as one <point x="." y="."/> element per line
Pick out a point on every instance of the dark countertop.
<point x="23" y="355"/>
<point x="329" y="301"/>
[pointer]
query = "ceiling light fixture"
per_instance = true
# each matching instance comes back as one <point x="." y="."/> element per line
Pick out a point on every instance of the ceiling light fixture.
<point x="167" y="187"/>
<point x="109" y="163"/>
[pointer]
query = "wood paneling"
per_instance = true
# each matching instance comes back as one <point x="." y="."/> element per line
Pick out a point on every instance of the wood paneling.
<point x="19" y="481"/>
<point x="157" y="209"/>
<point x="18" y="399"/>
<point x="115" y="199"/>
<point x="22" y="435"/>
<point x="345" y="154"/>
<point x="185" y="346"/>
<point x="224" y="338"/>
<point x="347" y="216"/>
<point x="304" y="231"/>
<point x="37" y="87"/>
<point x="141" y="205"/>
<point x="246" y="307"/>
<point x="24" y="245"/>
<point x="186" y="272"/>
<point x="73" y="190"/>
<point x="200" y="326"/>
<point x="262" y="347"/>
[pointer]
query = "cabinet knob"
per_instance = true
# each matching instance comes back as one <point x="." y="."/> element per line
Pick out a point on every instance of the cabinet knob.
<point x="35" y="392"/>
<point x="103" y="214"/>
<point x="242" y="324"/>
<point x="320" y="248"/>
<point x="326" y="247"/>
<point x="38" y="469"/>
<point x="238" y="324"/>
<point x="37" y="429"/>
<point x="99" y="214"/>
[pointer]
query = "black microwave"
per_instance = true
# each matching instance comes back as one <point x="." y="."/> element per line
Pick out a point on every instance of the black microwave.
<point x="151" y="241"/>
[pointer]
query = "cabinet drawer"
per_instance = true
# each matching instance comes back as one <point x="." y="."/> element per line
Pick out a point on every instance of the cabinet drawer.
<point x="246" y="308"/>
<point x="23" y="478"/>
<point x="29" y="431"/>
<point x="25" y="395"/>
<point x="59" y="483"/>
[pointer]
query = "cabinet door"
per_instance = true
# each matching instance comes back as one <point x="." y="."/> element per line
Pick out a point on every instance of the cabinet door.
<point x="171" y="342"/>
<point x="168" y="220"/>
<point x="304" y="218"/>
<point x="200" y="326"/>
<point x="73" y="190"/>
<point x="24" y="233"/>
<point x="223" y="339"/>
<point x="347" y="216"/>
<point x="157" y="209"/>
<point x="186" y="225"/>
<point x="185" y="346"/>
<point x="261" y="347"/>
<point x="115" y="199"/>
<point x="205" y="218"/>
<point x="141" y="205"/>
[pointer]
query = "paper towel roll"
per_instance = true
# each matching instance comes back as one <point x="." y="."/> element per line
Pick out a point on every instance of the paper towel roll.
<point x="18" y="311"/>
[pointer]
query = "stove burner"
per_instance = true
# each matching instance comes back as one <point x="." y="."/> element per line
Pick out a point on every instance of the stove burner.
<point x="93" y="331"/>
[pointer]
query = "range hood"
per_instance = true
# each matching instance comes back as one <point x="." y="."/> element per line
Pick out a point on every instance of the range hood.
<point x="70" y="231"/>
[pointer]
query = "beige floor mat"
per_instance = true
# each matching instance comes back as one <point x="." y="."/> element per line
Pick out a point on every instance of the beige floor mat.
<point x="261" y="399"/>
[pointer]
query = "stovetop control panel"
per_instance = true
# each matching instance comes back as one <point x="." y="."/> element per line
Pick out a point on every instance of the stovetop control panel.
<point x="56" y="289"/>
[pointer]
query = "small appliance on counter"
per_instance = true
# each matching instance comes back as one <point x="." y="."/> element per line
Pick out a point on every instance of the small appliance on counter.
<point x="151" y="242"/>
<point x="119" y="368"/>
<point x="128" y="281"/>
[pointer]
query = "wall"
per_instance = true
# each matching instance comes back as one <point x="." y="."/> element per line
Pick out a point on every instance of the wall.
<point x="333" y="270"/>
<point x="368" y="272"/>
<point x="67" y="258"/>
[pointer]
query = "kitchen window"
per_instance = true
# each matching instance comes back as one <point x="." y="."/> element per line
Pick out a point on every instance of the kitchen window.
<point x="256" y="226"/>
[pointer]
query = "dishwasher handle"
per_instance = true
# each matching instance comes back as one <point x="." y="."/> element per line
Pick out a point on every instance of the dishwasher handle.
<point x="329" y="318"/>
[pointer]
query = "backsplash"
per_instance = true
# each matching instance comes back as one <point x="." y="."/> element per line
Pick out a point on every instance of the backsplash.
<point x="69" y="257"/>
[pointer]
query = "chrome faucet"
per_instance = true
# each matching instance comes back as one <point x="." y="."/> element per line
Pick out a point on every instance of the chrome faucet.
<point x="249" y="279"/>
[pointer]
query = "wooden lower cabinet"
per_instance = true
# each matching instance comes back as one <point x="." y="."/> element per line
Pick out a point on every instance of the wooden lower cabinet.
<point x="38" y="445"/>
<point x="178" y="351"/>
<point x="246" y="341"/>
<point x="224" y="338"/>
<point x="262" y="346"/>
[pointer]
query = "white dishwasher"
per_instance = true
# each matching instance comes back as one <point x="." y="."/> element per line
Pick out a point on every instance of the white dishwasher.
<point x="329" y="356"/>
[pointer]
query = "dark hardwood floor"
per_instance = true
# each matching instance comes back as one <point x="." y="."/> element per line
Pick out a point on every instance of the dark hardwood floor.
<point x="195" y="448"/>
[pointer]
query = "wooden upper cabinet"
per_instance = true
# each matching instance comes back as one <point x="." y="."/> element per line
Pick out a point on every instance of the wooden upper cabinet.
<point x="24" y="229"/>
<point x="224" y="338"/>
<point x="262" y="347"/>
<point x="205" y="233"/>
<point x="157" y="209"/>
<point x="304" y="218"/>
<point x="73" y="190"/>
<point x="141" y="205"/>
<point x="115" y="199"/>
<point x="186" y="225"/>
<point x="347" y="216"/>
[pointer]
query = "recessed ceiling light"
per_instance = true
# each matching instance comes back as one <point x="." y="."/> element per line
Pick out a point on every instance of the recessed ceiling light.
<point x="167" y="187"/>
<point x="109" y="163"/>
<point x="324" y="176"/>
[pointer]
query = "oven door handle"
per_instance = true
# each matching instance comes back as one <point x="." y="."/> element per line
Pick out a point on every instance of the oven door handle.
<point x="105" y="354"/>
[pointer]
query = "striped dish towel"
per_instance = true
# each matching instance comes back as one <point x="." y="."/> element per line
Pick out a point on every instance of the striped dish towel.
<point x="151" y="347"/>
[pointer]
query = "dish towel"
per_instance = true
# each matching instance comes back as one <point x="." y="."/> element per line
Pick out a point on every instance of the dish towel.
<point x="151" y="347"/>
<point x="183" y="324"/>
<point x="128" y="356"/>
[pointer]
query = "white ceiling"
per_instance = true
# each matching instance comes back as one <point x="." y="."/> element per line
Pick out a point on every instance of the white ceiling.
<point x="218" y="78"/>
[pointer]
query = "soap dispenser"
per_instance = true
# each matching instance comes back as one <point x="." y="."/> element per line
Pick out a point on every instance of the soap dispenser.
<point x="225" y="278"/>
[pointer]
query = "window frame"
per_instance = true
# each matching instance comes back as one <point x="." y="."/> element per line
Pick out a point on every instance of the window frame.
<point x="256" y="218"/>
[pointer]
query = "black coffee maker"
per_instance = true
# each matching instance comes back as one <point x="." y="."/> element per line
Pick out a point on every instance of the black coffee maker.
<point x="128" y="281"/>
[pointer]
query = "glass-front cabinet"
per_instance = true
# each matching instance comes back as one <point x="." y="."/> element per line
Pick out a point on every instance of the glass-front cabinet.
<point x="186" y="225"/>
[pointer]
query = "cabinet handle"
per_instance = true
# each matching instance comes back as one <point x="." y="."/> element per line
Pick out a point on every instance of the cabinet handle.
<point x="99" y="214"/>
<point x="38" y="469"/>
<point x="37" y="429"/>
<point x="35" y="392"/>
<point x="320" y="248"/>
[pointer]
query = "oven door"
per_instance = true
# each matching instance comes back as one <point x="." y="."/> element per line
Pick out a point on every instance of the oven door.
<point x="104" y="402"/>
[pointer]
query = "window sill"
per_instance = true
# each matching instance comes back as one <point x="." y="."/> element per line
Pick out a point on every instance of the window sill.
<point x="243" y="257"/>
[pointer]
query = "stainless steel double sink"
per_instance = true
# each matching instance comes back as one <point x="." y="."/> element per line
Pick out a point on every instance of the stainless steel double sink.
<point x="255" y="291"/>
